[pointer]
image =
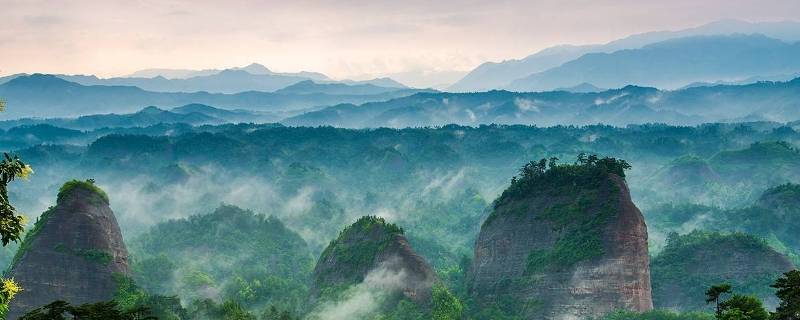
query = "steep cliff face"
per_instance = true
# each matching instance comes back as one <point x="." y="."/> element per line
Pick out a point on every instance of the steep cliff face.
<point x="564" y="242"/>
<point x="691" y="263"/>
<point x="371" y="245"/>
<point x="73" y="253"/>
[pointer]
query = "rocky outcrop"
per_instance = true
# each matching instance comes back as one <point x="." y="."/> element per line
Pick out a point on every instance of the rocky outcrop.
<point x="689" y="264"/>
<point x="565" y="243"/>
<point x="372" y="246"/>
<point x="73" y="253"/>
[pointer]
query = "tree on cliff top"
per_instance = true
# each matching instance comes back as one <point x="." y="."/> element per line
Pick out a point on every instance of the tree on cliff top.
<point x="548" y="174"/>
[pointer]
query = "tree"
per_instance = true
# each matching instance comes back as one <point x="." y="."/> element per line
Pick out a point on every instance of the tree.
<point x="11" y="224"/>
<point x="445" y="305"/>
<point x="8" y="290"/>
<point x="274" y="314"/>
<point x="229" y="310"/>
<point x="713" y="294"/>
<point x="60" y="310"/>
<point x="53" y="311"/>
<point x="788" y="290"/>
<point x="741" y="307"/>
<point x="733" y="314"/>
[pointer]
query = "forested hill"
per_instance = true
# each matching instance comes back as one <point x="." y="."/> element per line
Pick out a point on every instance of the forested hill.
<point x="441" y="182"/>
<point x="775" y="101"/>
<point x="446" y="163"/>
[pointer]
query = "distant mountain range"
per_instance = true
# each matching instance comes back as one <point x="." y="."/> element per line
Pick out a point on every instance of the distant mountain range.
<point x="582" y="88"/>
<point x="253" y="68"/>
<point x="763" y="101"/>
<point x="192" y="114"/>
<point x="773" y="101"/>
<point x="226" y="81"/>
<point x="51" y="96"/>
<point x="773" y="78"/>
<point x="494" y="75"/>
<point x="672" y="64"/>
<point x="254" y="77"/>
<point x="311" y="87"/>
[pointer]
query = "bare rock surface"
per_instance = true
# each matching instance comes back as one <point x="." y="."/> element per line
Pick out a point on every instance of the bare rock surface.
<point x="572" y="253"/>
<point x="74" y="253"/>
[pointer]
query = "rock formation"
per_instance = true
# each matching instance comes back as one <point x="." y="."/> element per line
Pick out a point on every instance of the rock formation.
<point x="73" y="253"/>
<point x="371" y="245"/>
<point x="563" y="242"/>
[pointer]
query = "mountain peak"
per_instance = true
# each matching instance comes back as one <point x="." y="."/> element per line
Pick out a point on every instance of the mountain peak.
<point x="151" y="110"/>
<point x="39" y="80"/>
<point x="255" y="68"/>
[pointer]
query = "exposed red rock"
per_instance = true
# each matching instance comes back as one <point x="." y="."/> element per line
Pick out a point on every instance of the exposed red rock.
<point x="74" y="257"/>
<point x="618" y="278"/>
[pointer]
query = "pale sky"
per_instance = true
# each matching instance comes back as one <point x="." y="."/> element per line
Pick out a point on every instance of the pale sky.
<point x="339" y="38"/>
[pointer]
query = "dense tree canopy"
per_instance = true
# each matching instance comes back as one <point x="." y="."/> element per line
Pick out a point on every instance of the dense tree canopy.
<point x="547" y="175"/>
<point x="788" y="288"/>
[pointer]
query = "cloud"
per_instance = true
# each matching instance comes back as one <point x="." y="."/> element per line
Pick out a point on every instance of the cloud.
<point x="97" y="37"/>
<point x="525" y="105"/>
<point x="365" y="298"/>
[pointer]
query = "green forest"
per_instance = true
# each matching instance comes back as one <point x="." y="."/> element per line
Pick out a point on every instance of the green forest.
<point x="228" y="221"/>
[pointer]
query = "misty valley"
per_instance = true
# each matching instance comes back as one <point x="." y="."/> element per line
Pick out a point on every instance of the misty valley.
<point x="654" y="176"/>
<point x="330" y="223"/>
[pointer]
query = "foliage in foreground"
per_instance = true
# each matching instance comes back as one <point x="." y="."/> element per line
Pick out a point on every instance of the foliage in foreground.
<point x="659" y="314"/>
<point x="60" y="310"/>
<point x="788" y="288"/>
<point x="11" y="224"/>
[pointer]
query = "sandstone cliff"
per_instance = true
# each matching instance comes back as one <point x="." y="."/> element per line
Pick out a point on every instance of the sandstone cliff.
<point x="563" y="242"/>
<point x="73" y="253"/>
<point x="371" y="246"/>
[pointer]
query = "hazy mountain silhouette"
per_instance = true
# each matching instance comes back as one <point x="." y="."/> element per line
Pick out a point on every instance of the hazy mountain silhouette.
<point x="492" y="75"/>
<point x="192" y="114"/>
<point x="50" y="96"/>
<point x="309" y="87"/>
<point x="253" y="68"/>
<point x="253" y="77"/>
<point x="673" y="64"/>
<point x="582" y="88"/>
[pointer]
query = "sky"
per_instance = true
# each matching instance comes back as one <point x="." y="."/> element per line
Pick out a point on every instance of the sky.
<point x="344" y="39"/>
